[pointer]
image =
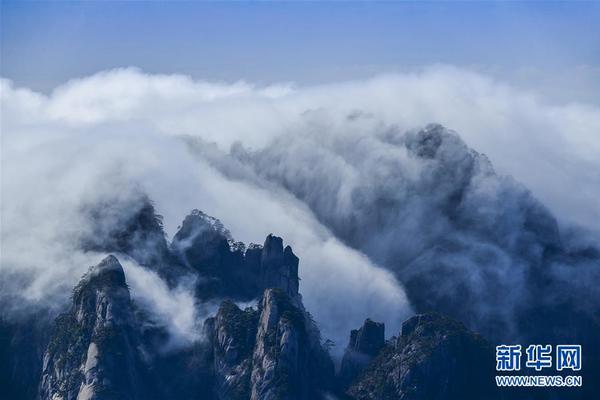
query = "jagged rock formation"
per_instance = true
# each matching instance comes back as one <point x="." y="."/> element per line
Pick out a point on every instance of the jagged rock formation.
<point x="93" y="353"/>
<point x="270" y="353"/>
<point x="227" y="267"/>
<point x="463" y="240"/>
<point x="204" y="245"/>
<point x="288" y="360"/>
<point x="233" y="335"/>
<point x="434" y="358"/>
<point x="279" y="267"/>
<point x="363" y="346"/>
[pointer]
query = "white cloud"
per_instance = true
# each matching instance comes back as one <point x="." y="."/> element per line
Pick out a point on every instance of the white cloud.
<point x="106" y="134"/>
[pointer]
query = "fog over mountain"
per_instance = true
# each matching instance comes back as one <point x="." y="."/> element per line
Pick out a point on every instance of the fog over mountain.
<point x="387" y="212"/>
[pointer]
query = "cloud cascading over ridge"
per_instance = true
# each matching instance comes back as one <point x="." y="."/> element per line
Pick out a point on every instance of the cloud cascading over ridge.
<point x="226" y="149"/>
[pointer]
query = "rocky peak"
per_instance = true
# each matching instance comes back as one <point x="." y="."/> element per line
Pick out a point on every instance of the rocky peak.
<point x="102" y="294"/>
<point x="267" y="354"/>
<point x="288" y="360"/>
<point x="200" y="239"/>
<point x="199" y="226"/>
<point x="364" y="344"/>
<point x="369" y="339"/>
<point x="279" y="267"/>
<point x="433" y="358"/>
<point x="229" y="268"/>
<point x="93" y="350"/>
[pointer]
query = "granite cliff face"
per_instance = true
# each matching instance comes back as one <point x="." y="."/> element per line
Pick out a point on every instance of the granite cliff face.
<point x="288" y="360"/>
<point x="93" y="352"/>
<point x="273" y="352"/>
<point x="232" y="335"/>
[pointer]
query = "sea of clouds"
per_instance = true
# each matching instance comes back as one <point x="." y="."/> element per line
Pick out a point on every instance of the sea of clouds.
<point x="239" y="152"/>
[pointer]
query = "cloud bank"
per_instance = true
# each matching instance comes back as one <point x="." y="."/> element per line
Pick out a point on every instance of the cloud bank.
<point x="297" y="162"/>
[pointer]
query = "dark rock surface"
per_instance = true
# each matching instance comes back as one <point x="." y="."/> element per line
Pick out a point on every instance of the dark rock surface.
<point x="434" y="358"/>
<point x="288" y="359"/>
<point x="270" y="353"/>
<point x="22" y="346"/>
<point x="279" y="267"/>
<point x="229" y="269"/>
<point x="233" y="335"/>
<point x="93" y="352"/>
<point x="103" y="347"/>
<point x="365" y="343"/>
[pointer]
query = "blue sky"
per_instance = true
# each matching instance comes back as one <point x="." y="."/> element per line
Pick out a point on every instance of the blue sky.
<point x="553" y="47"/>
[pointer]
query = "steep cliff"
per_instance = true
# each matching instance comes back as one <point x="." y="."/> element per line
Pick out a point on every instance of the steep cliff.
<point x="365" y="343"/>
<point x="93" y="353"/>
<point x="233" y="335"/>
<point x="288" y="360"/>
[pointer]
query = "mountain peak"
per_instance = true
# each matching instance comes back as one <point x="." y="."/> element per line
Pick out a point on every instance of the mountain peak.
<point x="94" y="346"/>
<point x="108" y="274"/>
<point x="365" y="343"/>
<point x="108" y="263"/>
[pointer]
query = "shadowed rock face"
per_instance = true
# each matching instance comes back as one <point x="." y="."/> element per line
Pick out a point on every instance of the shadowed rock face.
<point x="365" y="343"/>
<point x="22" y="347"/>
<point x="229" y="269"/>
<point x="434" y="358"/>
<point x="279" y="267"/>
<point x="270" y="353"/>
<point x="288" y="360"/>
<point x="232" y="333"/>
<point x="93" y="351"/>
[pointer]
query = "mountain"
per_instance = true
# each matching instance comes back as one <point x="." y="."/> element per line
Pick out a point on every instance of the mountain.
<point x="436" y="213"/>
<point x="433" y="358"/>
<point x="227" y="267"/>
<point x="365" y="343"/>
<point x="105" y="347"/>
<point x="464" y="240"/>
<point x="93" y="353"/>
<point x="270" y="353"/>
<point x="476" y="252"/>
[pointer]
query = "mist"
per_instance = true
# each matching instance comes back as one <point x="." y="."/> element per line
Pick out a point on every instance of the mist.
<point x="333" y="169"/>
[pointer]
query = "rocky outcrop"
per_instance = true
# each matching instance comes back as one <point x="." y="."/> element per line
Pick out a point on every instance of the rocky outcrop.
<point x="279" y="267"/>
<point x="233" y="334"/>
<point x="288" y="360"/>
<point x="273" y="353"/>
<point x="434" y="358"/>
<point x="363" y="346"/>
<point x="229" y="268"/>
<point x="204" y="245"/>
<point x="93" y="353"/>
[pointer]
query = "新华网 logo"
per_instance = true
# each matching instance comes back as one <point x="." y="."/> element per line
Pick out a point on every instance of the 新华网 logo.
<point x="538" y="357"/>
